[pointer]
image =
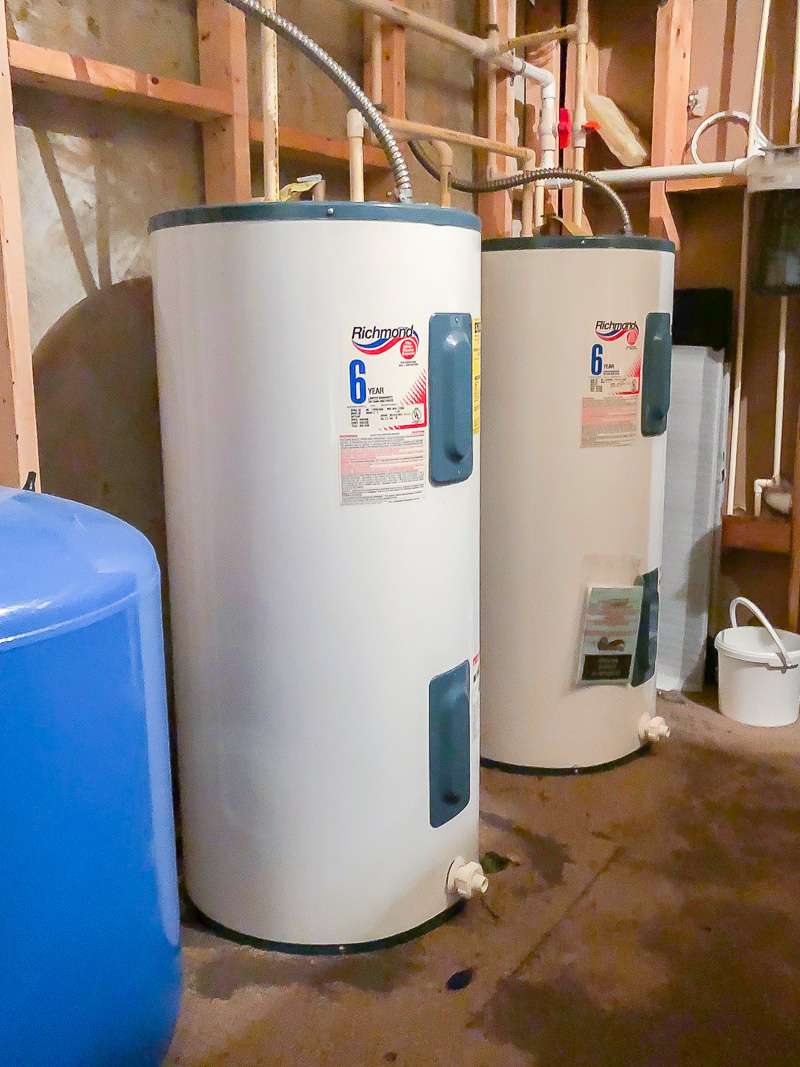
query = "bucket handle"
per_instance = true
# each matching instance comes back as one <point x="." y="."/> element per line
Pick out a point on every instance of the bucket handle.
<point x="762" y="618"/>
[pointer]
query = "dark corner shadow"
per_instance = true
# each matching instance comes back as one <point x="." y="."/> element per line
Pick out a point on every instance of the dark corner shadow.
<point x="97" y="411"/>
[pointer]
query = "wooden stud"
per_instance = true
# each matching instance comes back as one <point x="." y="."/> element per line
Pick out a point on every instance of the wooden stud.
<point x="19" y="452"/>
<point x="393" y="75"/>
<point x="223" y="65"/>
<point x="385" y="82"/>
<point x="496" y="118"/>
<point x="794" y="541"/>
<point x="670" y="96"/>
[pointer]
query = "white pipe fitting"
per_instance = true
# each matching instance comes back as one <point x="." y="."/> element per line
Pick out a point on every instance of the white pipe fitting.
<point x="466" y="879"/>
<point x="759" y="485"/>
<point x="653" y="728"/>
<point x="355" y="135"/>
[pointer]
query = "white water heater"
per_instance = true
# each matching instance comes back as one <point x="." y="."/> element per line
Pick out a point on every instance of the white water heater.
<point x="317" y="376"/>
<point x="576" y="371"/>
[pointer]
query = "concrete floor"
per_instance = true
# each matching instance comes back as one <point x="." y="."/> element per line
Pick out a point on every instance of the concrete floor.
<point x="649" y="916"/>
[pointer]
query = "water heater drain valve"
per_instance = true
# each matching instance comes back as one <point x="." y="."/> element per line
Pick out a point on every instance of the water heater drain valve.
<point x="466" y="878"/>
<point x="653" y="728"/>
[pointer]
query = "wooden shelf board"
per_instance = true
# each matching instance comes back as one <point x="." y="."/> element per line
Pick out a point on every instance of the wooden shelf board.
<point x="91" y="79"/>
<point x="313" y="147"/>
<point x="706" y="185"/>
<point x="756" y="535"/>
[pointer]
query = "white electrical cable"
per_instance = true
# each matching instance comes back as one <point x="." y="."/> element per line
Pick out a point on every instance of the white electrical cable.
<point x="739" y="118"/>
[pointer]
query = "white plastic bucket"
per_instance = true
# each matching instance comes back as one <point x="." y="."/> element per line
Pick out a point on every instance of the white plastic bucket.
<point x="759" y="680"/>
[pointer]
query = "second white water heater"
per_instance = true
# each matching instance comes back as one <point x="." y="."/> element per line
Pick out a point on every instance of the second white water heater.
<point x="576" y="374"/>
<point x="317" y="376"/>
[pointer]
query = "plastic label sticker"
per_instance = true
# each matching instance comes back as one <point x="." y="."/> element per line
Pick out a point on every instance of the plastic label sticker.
<point x="610" y="634"/>
<point x="384" y="415"/>
<point x="476" y="376"/>
<point x="610" y="405"/>
<point x="475" y="697"/>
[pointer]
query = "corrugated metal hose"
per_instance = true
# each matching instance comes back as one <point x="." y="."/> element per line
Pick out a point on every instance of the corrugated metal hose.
<point x="525" y="178"/>
<point x="349" y="86"/>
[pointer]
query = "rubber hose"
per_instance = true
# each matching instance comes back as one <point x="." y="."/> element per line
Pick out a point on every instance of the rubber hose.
<point x="349" y="86"/>
<point x="525" y="178"/>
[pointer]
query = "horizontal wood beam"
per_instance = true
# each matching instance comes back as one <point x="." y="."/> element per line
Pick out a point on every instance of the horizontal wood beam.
<point x="302" y="145"/>
<point x="756" y="534"/>
<point x="91" y="79"/>
<point x="706" y="185"/>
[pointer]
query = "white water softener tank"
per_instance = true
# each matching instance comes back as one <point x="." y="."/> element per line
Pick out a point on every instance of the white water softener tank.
<point x="318" y="400"/>
<point x="576" y="372"/>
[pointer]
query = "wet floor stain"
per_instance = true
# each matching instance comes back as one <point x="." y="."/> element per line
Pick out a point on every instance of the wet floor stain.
<point x="723" y="952"/>
<point x="684" y="952"/>
<point x="731" y="1000"/>
<point x="545" y="854"/>
<point x="234" y="968"/>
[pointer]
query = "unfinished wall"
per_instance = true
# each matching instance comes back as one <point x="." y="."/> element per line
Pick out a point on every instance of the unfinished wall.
<point x="92" y="175"/>
<point x="723" y="57"/>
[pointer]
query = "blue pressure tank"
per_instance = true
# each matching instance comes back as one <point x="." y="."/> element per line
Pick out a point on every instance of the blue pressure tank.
<point x="89" y="948"/>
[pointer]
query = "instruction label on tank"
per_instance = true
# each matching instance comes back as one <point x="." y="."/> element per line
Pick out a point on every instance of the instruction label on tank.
<point x="610" y="634"/>
<point x="610" y="405"/>
<point x="475" y="697"/>
<point x="476" y="376"/>
<point x="384" y="416"/>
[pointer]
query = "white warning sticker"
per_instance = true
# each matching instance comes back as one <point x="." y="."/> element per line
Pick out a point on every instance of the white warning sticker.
<point x="610" y="405"/>
<point x="610" y="635"/>
<point x="475" y="697"/>
<point x="383" y="432"/>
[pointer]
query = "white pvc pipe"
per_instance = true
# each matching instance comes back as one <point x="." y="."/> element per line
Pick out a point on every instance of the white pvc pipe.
<point x="645" y="175"/>
<point x="478" y="47"/>
<point x="741" y="312"/>
<point x="355" y="138"/>
<point x="487" y="51"/>
<point x="269" y="108"/>
<point x="445" y="152"/>
<point x="579" y="114"/>
<point x="532" y="206"/>
<point x="779" y="391"/>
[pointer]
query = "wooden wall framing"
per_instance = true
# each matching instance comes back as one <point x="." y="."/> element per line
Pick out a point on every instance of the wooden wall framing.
<point x="219" y="103"/>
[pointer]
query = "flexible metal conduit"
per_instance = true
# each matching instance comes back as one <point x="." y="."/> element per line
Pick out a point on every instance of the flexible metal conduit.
<point x="349" y="86"/>
<point x="525" y="178"/>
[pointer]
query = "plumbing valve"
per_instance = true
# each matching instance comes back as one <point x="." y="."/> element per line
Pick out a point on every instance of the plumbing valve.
<point x="564" y="128"/>
<point x="653" y="728"/>
<point x="466" y="878"/>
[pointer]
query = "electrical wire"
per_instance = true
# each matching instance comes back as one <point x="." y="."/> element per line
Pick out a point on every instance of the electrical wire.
<point x="349" y="86"/>
<point x="525" y="178"/>
<point x="738" y="118"/>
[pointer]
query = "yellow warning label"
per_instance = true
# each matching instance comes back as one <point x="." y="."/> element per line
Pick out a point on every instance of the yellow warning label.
<point x="476" y="376"/>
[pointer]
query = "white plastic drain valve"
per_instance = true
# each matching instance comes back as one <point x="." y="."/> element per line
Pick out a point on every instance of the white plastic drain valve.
<point x="653" y="728"/>
<point x="466" y="878"/>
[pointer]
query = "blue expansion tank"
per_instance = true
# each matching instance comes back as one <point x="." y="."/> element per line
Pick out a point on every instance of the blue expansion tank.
<point x="89" y="948"/>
